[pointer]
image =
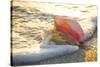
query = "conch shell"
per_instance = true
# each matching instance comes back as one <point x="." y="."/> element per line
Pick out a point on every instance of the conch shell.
<point x="67" y="31"/>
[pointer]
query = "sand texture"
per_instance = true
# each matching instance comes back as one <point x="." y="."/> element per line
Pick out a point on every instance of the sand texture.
<point x="29" y="19"/>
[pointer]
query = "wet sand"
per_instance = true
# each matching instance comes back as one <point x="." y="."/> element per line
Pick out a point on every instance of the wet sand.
<point x="86" y="54"/>
<point x="28" y="22"/>
<point x="78" y="56"/>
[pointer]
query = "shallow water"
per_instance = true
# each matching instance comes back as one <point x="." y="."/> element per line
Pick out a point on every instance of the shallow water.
<point x="28" y="23"/>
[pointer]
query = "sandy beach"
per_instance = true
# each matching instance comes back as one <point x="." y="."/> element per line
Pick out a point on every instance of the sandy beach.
<point x="78" y="56"/>
<point x="28" y="22"/>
